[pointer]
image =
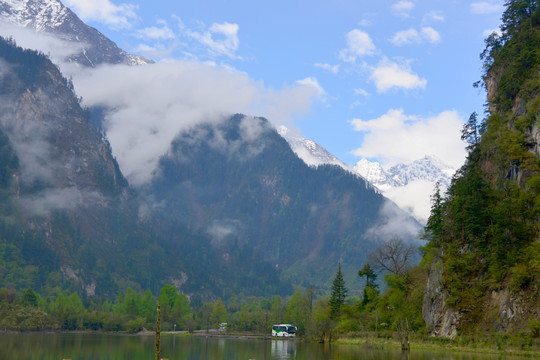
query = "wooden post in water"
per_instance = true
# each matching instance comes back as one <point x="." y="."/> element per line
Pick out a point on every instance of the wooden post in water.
<point x="405" y="345"/>
<point x="158" y="333"/>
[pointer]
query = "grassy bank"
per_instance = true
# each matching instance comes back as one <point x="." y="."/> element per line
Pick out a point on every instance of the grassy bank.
<point x="488" y="344"/>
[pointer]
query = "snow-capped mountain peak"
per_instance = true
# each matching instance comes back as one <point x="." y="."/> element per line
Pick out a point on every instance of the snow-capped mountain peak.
<point x="91" y="47"/>
<point x="374" y="173"/>
<point x="408" y="185"/>
<point x="428" y="168"/>
<point x="308" y="150"/>
<point x="41" y="15"/>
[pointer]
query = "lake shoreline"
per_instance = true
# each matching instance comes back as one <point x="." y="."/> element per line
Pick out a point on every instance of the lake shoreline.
<point x="434" y="344"/>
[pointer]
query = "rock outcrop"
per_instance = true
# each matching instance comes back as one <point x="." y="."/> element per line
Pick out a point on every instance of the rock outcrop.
<point x="441" y="320"/>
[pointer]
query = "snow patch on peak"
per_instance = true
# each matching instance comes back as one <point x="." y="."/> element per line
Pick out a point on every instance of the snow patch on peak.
<point x="40" y="15"/>
<point x="374" y="173"/>
<point x="408" y="185"/>
<point x="308" y="150"/>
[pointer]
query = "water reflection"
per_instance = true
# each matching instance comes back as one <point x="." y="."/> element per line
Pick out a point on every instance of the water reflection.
<point x="283" y="349"/>
<point x="175" y="347"/>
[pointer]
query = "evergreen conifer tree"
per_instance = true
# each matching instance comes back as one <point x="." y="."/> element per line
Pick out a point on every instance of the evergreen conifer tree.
<point x="339" y="293"/>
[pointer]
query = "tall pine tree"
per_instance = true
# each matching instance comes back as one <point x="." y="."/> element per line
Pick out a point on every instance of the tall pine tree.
<point x="339" y="293"/>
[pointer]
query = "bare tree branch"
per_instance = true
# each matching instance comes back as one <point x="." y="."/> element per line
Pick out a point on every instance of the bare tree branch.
<point x="393" y="256"/>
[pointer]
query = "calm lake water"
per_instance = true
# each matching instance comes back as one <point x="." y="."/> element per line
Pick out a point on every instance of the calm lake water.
<point x="176" y="347"/>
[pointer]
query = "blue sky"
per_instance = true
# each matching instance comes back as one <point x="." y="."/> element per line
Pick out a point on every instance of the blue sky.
<point x="388" y="80"/>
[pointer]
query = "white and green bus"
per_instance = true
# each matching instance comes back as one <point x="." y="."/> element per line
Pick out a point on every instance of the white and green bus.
<point x="284" y="330"/>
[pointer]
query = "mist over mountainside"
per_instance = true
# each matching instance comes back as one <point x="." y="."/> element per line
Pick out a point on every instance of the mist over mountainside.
<point x="230" y="209"/>
<point x="239" y="182"/>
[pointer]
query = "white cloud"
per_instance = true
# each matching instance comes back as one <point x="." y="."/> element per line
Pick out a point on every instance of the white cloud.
<point x="117" y="16"/>
<point x="388" y="75"/>
<point x="162" y="32"/>
<point x="359" y="44"/>
<point x="151" y="104"/>
<point x="412" y="36"/>
<point x="361" y="92"/>
<point x="484" y="7"/>
<point x="413" y="198"/>
<point x="396" y="138"/>
<point x="402" y="8"/>
<point x="405" y="37"/>
<point x="221" y="39"/>
<point x="58" y="49"/>
<point x="365" y="23"/>
<point x="431" y="35"/>
<point x="394" y="222"/>
<point x="314" y="83"/>
<point x="334" y="69"/>
<point x="433" y="16"/>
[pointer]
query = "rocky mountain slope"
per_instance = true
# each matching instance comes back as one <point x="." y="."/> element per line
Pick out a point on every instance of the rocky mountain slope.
<point x="52" y="17"/>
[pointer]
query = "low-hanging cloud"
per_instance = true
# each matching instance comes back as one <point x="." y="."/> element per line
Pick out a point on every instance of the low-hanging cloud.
<point x="58" y="50"/>
<point x="52" y="199"/>
<point x="394" y="222"/>
<point x="396" y="138"/>
<point x="149" y="105"/>
<point x="414" y="198"/>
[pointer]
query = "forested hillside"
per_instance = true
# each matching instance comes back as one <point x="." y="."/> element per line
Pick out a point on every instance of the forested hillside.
<point x="231" y="210"/>
<point x="484" y="232"/>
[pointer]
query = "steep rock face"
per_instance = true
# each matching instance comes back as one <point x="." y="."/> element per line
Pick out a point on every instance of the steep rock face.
<point x="51" y="16"/>
<point x="441" y="320"/>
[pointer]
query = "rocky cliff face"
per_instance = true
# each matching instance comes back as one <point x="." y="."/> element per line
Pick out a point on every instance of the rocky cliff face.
<point x="441" y="320"/>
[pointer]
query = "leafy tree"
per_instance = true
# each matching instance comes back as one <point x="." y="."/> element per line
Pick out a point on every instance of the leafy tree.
<point x="131" y="303"/>
<point x="219" y="313"/>
<point x="370" y="275"/>
<point x="148" y="306"/>
<point x="30" y="298"/>
<point x="181" y="312"/>
<point x="166" y="299"/>
<point x="297" y="312"/>
<point x="338" y="294"/>
<point x="371" y="285"/>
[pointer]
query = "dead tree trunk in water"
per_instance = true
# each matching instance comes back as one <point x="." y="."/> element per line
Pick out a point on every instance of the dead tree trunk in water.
<point x="158" y="333"/>
<point x="405" y="345"/>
